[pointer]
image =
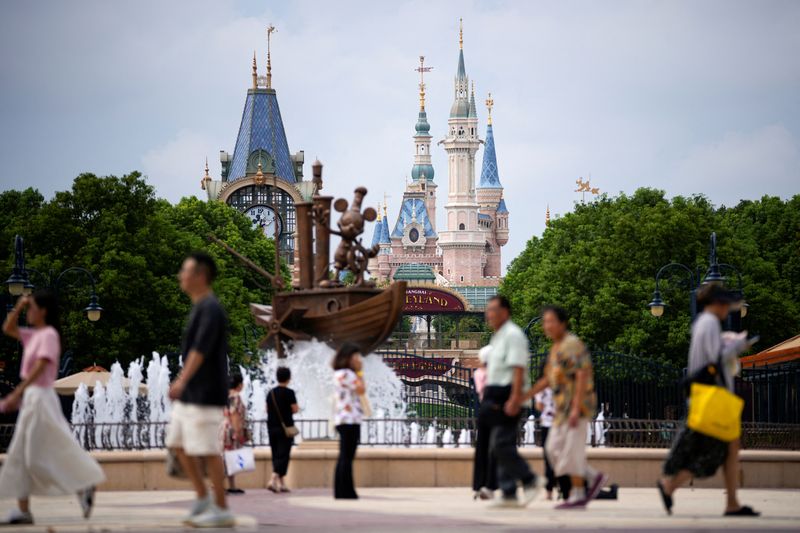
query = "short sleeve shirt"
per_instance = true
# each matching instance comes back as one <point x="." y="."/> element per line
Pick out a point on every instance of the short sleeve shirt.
<point x="207" y="332"/>
<point x="283" y="398"/>
<point x="509" y="351"/>
<point x="348" y="404"/>
<point x="563" y="363"/>
<point x="545" y="398"/>
<point x="40" y="343"/>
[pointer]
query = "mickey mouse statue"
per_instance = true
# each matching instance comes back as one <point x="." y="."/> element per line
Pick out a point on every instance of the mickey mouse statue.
<point x="351" y="254"/>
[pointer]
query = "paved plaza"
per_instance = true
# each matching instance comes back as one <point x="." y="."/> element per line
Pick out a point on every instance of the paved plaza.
<point x="417" y="510"/>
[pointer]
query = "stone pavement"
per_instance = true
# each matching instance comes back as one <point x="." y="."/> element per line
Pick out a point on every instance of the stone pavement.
<point x="417" y="510"/>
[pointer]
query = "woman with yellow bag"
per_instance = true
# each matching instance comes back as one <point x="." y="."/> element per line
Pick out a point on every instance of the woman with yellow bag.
<point x="711" y="438"/>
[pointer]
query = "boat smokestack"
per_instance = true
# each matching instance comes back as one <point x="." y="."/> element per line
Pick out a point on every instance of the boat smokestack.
<point x="322" y="237"/>
<point x="305" y="244"/>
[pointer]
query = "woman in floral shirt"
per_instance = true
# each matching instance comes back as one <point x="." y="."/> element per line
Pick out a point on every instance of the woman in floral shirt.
<point x="349" y="384"/>
<point x="234" y="433"/>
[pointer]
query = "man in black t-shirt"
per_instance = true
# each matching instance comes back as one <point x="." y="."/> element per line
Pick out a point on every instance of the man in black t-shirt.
<point x="200" y="392"/>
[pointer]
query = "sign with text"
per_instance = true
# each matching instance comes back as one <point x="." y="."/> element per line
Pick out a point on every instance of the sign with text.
<point x="416" y="367"/>
<point x="420" y="300"/>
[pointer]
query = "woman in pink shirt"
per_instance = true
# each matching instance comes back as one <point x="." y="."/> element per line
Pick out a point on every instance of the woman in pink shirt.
<point x="44" y="458"/>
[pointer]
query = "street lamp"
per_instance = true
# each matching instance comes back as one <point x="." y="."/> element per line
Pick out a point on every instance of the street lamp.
<point x="713" y="275"/>
<point x="19" y="283"/>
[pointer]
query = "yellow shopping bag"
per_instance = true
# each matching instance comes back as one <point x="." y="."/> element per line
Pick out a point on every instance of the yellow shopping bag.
<point x="715" y="411"/>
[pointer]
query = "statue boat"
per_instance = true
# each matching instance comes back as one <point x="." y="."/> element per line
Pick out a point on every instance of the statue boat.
<point x="320" y="306"/>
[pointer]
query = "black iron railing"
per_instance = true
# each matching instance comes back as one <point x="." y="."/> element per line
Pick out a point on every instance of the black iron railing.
<point x="455" y="432"/>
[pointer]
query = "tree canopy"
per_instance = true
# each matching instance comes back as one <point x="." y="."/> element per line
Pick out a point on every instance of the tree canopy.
<point x="600" y="261"/>
<point x="133" y="244"/>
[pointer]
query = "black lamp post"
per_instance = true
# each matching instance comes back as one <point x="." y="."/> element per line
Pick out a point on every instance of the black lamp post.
<point x="695" y="279"/>
<point x="20" y="283"/>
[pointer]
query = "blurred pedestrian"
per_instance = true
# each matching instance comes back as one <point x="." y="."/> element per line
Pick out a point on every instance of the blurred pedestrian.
<point x="569" y="374"/>
<point x="281" y="408"/>
<point x="694" y="454"/>
<point x="349" y="383"/>
<point x="507" y="383"/>
<point x="43" y="457"/>
<point x="200" y="394"/>
<point x="484" y="473"/>
<point x="234" y="433"/>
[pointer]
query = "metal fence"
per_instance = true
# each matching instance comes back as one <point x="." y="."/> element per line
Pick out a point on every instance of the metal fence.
<point x="771" y="393"/>
<point x="456" y="432"/>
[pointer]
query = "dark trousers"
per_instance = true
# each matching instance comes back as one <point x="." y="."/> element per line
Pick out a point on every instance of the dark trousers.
<point x="548" y="468"/>
<point x="484" y="473"/>
<point x="281" y="446"/>
<point x="511" y="467"/>
<point x="343" y="486"/>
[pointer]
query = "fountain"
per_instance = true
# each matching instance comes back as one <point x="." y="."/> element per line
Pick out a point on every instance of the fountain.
<point x="530" y="430"/>
<point x="312" y="380"/>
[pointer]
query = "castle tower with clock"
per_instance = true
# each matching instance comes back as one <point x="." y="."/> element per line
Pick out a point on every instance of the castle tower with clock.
<point x="465" y="254"/>
<point x="262" y="178"/>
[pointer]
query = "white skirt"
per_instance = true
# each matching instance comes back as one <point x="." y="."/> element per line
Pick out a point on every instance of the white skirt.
<point x="44" y="458"/>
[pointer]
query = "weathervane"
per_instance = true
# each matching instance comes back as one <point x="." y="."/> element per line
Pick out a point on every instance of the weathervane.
<point x="270" y="30"/>
<point x="585" y="186"/>
<point x="422" y="69"/>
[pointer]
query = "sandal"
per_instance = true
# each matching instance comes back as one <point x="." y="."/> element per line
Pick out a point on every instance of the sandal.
<point x="273" y="488"/>
<point x="666" y="499"/>
<point x="744" y="510"/>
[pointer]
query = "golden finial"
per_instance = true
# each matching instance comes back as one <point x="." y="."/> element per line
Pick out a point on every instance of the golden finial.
<point x="255" y="71"/>
<point x="206" y="177"/>
<point x="422" y="69"/>
<point x="460" y="34"/>
<point x="547" y="216"/>
<point x="489" y="105"/>
<point x="260" y="179"/>
<point x="385" y="203"/>
<point x="379" y="212"/>
<point x="270" y="30"/>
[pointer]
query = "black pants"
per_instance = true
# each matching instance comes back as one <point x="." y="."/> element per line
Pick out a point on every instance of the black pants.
<point x="484" y="473"/>
<point x="548" y="468"/>
<point x="281" y="446"/>
<point x="343" y="486"/>
<point x="511" y="467"/>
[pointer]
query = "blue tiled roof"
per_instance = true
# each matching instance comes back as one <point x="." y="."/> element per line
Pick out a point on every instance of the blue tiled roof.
<point x="413" y="208"/>
<point x="501" y="207"/>
<point x="377" y="231"/>
<point x="260" y="119"/>
<point x="490" y="179"/>
<point x="385" y="238"/>
<point x="484" y="216"/>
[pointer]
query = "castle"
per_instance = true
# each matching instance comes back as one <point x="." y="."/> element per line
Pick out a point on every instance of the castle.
<point x="465" y="255"/>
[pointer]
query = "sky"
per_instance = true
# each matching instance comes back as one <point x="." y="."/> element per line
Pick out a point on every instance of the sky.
<point x="695" y="97"/>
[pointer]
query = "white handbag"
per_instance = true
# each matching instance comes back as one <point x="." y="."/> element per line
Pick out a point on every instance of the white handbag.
<point x="241" y="460"/>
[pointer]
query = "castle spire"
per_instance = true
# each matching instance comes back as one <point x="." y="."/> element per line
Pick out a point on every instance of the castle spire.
<point x="473" y="110"/>
<point x="422" y="69"/>
<point x="547" y="217"/>
<point x="490" y="178"/>
<point x="270" y="30"/>
<point x="206" y="178"/>
<point x="255" y="71"/>
<point x="460" y="34"/>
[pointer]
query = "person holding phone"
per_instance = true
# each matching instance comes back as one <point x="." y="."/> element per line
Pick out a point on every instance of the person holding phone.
<point x="694" y="454"/>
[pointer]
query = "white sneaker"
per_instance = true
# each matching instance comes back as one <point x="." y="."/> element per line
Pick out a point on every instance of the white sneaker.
<point x="199" y="507"/>
<point x="213" y="517"/>
<point x="531" y="492"/>
<point x="17" y="517"/>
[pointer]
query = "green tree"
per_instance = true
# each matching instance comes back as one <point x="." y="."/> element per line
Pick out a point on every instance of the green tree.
<point x="133" y="243"/>
<point x="599" y="262"/>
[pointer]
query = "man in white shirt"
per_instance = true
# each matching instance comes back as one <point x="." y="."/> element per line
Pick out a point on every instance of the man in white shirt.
<point x="507" y="381"/>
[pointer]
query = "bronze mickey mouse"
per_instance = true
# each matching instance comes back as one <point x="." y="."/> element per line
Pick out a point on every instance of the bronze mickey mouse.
<point x="351" y="254"/>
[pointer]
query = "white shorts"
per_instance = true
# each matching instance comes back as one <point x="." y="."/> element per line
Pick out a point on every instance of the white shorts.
<point x="195" y="428"/>
<point x="566" y="448"/>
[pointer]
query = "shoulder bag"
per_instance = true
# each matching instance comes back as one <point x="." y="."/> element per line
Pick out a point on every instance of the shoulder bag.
<point x="290" y="431"/>
<point x="713" y="409"/>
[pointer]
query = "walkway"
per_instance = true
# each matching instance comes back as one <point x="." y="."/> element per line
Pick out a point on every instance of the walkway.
<point x="435" y="510"/>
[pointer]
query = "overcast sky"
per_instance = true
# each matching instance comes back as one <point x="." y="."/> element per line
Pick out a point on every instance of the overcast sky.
<point x="690" y="97"/>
